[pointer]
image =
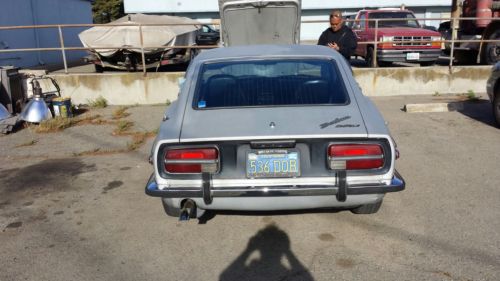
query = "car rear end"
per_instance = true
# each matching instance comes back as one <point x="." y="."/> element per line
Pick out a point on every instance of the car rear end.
<point x="277" y="133"/>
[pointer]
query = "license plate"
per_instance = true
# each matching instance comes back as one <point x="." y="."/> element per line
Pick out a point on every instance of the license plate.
<point x="273" y="164"/>
<point x="413" y="56"/>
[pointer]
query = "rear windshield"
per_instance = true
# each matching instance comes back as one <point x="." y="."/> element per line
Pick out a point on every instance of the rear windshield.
<point x="269" y="83"/>
<point x="407" y="19"/>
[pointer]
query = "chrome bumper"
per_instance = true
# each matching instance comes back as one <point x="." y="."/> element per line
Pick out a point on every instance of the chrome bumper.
<point x="397" y="184"/>
<point x="400" y="55"/>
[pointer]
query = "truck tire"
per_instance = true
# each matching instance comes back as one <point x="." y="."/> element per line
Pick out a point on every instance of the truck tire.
<point x="369" y="57"/>
<point x="367" y="208"/>
<point x="496" y="108"/>
<point x="427" y="63"/>
<point x="491" y="53"/>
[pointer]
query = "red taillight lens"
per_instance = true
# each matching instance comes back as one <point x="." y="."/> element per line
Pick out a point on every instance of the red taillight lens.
<point x="197" y="154"/>
<point x="356" y="156"/>
<point x="190" y="160"/>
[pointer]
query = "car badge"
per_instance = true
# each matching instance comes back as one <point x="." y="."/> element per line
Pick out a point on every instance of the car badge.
<point x="272" y="125"/>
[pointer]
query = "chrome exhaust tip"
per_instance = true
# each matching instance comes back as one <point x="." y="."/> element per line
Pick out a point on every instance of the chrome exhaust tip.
<point x="188" y="210"/>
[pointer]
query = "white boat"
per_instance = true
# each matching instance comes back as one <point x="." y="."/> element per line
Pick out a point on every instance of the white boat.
<point x="119" y="47"/>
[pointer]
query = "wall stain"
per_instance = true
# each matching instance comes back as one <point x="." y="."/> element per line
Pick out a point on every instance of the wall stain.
<point x="327" y="237"/>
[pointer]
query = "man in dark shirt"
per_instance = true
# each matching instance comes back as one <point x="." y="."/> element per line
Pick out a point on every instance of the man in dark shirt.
<point x="338" y="36"/>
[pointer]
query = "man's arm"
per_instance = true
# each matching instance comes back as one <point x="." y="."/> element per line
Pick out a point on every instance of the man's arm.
<point x="348" y="48"/>
<point x="322" y="39"/>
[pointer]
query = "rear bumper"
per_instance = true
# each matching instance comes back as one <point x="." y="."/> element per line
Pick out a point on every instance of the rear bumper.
<point x="397" y="184"/>
<point x="426" y="55"/>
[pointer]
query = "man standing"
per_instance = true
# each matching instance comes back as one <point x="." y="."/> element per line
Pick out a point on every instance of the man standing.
<point x="338" y="36"/>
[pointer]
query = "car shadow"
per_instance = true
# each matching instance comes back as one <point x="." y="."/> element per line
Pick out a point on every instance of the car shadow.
<point x="263" y="256"/>
<point x="479" y="110"/>
<point x="210" y="214"/>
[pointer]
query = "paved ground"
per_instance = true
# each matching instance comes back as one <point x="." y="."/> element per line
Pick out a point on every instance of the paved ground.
<point x="70" y="217"/>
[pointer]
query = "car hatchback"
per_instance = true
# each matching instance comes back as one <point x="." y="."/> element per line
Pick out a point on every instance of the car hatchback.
<point x="272" y="127"/>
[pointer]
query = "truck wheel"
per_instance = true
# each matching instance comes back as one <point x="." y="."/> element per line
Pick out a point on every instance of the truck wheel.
<point x="427" y="63"/>
<point x="496" y="108"/>
<point x="369" y="57"/>
<point x="367" y="209"/>
<point x="491" y="53"/>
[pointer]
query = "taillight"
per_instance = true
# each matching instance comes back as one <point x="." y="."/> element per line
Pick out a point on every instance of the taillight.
<point x="191" y="160"/>
<point x="355" y="156"/>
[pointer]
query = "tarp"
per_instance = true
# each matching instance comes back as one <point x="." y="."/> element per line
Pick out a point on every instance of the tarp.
<point x="126" y="36"/>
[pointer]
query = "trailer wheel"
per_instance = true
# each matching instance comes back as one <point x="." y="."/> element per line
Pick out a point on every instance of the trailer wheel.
<point x="98" y="68"/>
<point x="491" y="53"/>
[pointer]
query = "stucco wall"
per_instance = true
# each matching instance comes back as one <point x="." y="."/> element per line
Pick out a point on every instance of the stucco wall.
<point x="157" y="88"/>
<point x="40" y="12"/>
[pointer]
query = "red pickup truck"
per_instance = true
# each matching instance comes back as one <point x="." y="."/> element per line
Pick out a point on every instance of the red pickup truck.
<point x="404" y="35"/>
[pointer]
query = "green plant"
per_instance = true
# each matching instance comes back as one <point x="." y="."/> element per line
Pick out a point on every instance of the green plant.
<point x="168" y="102"/>
<point x="472" y="96"/>
<point x="55" y="125"/>
<point x="122" y="126"/>
<point x="99" y="102"/>
<point x="436" y="94"/>
<point x="120" y="112"/>
<point x="138" y="139"/>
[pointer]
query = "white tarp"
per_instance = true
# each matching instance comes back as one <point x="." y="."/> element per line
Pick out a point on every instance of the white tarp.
<point x="126" y="36"/>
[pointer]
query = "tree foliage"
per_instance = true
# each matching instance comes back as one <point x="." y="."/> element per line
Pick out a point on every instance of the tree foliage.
<point x="107" y="10"/>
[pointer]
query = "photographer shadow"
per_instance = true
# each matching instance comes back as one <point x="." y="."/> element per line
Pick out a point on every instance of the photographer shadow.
<point x="263" y="259"/>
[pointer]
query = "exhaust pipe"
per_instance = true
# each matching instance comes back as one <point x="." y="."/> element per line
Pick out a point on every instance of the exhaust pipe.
<point x="188" y="210"/>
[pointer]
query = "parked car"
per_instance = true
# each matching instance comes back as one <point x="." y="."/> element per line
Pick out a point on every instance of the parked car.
<point x="207" y="35"/>
<point x="493" y="90"/>
<point x="404" y="34"/>
<point x="272" y="127"/>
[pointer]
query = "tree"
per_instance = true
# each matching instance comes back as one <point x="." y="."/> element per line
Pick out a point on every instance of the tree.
<point x="107" y="10"/>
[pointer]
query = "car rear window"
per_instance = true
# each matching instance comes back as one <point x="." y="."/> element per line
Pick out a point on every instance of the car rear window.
<point x="269" y="83"/>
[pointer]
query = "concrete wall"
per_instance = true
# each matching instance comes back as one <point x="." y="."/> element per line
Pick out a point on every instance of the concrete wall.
<point x="40" y="12"/>
<point x="157" y="88"/>
<point x="118" y="88"/>
<point x="422" y="81"/>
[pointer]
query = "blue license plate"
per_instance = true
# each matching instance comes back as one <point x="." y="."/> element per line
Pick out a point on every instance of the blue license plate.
<point x="273" y="164"/>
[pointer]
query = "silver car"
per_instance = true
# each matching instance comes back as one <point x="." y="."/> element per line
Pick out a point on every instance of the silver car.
<point x="272" y="127"/>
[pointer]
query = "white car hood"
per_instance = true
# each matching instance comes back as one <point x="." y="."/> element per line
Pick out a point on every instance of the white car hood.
<point x="250" y="22"/>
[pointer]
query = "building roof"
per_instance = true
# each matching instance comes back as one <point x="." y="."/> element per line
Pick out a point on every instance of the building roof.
<point x="197" y="6"/>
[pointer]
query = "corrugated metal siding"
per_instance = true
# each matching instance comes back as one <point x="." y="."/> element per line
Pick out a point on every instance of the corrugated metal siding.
<point x="38" y="12"/>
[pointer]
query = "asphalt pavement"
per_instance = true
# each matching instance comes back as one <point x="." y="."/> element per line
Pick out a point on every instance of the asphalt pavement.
<point x="72" y="207"/>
